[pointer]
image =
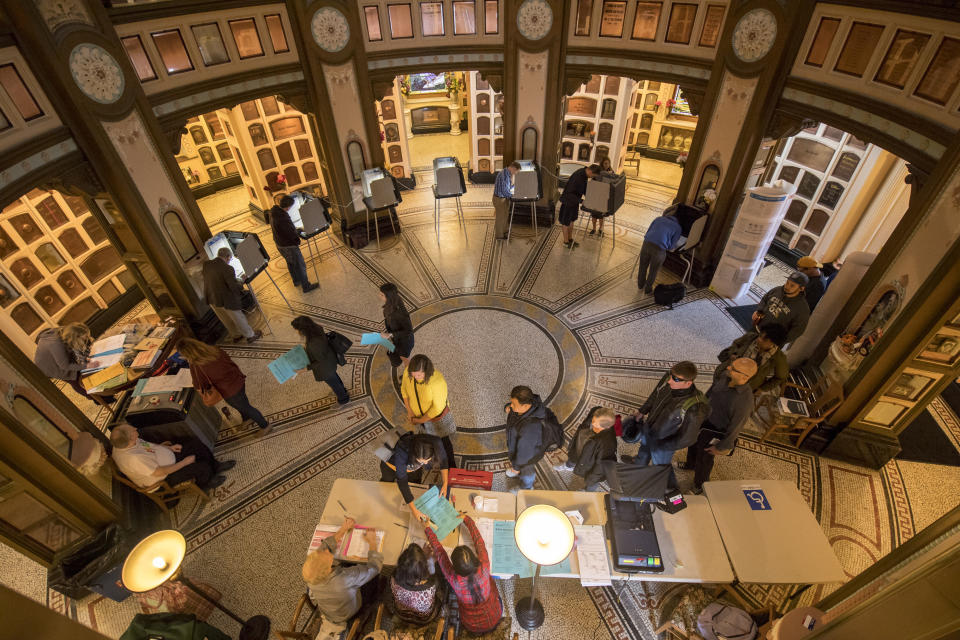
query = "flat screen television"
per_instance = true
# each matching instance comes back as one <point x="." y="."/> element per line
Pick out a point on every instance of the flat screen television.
<point x="427" y="82"/>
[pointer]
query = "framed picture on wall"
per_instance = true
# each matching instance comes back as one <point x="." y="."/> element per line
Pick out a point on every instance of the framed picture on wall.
<point x="944" y="348"/>
<point x="885" y="413"/>
<point x="911" y="384"/>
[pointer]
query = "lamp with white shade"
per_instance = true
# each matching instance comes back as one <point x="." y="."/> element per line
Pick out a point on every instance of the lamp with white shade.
<point x="545" y="536"/>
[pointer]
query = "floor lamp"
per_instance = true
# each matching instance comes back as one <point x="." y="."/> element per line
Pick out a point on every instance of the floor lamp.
<point x="544" y="536"/>
<point x="158" y="558"/>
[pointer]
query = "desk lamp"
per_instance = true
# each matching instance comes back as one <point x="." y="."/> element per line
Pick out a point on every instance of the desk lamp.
<point x="544" y="536"/>
<point x="159" y="558"/>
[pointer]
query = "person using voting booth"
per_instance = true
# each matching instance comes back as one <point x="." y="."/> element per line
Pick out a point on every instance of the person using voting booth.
<point x="224" y="294"/>
<point x="287" y="238"/>
<point x="502" y="191"/>
<point x="573" y="193"/>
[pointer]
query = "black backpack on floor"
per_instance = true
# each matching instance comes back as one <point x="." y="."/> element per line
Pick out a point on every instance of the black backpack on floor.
<point x="669" y="294"/>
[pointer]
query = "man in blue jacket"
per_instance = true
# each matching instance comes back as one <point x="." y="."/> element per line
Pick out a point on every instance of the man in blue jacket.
<point x="662" y="236"/>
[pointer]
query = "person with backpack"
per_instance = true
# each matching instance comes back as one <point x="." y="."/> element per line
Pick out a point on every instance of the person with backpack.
<point x="670" y="418"/>
<point x="663" y="235"/>
<point x="532" y="430"/>
<point x="594" y="442"/>
<point x="323" y="357"/>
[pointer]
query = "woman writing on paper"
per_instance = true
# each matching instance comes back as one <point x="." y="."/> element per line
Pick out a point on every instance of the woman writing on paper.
<point x="424" y="393"/>
<point x="212" y="368"/>
<point x="323" y="359"/>
<point x="399" y="329"/>
<point x="413" y="453"/>
<point x="468" y="574"/>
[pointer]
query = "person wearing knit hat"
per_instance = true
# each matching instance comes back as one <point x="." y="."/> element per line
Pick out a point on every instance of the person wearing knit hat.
<point x="810" y="267"/>
<point x="786" y="306"/>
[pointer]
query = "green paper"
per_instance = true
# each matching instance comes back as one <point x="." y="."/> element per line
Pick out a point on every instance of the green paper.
<point x="443" y="514"/>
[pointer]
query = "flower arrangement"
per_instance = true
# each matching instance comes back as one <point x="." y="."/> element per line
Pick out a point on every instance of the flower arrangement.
<point x="454" y="84"/>
<point x="382" y="135"/>
<point x="670" y="103"/>
<point x="281" y="179"/>
<point x="404" y="86"/>
<point x="658" y="103"/>
<point x="709" y="196"/>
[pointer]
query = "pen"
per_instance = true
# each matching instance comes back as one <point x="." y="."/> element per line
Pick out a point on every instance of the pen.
<point x="341" y="506"/>
<point x="400" y="525"/>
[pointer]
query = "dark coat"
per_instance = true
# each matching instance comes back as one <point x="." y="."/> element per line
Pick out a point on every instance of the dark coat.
<point x="403" y="459"/>
<point x="598" y="447"/>
<point x="398" y="324"/>
<point x="53" y="357"/>
<point x="772" y="372"/>
<point x="284" y="233"/>
<point x="525" y="441"/>
<point x="814" y="291"/>
<point x="323" y="359"/>
<point x="667" y="425"/>
<point x="220" y="285"/>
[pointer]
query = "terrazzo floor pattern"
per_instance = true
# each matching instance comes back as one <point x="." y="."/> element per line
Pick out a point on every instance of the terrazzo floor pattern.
<point x="613" y="344"/>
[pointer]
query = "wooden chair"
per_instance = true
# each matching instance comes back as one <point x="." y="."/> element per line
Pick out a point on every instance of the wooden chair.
<point x="821" y="400"/>
<point x="292" y="632"/>
<point x="161" y="492"/>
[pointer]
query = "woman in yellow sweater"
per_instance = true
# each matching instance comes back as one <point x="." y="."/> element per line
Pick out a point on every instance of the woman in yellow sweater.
<point x="424" y="393"/>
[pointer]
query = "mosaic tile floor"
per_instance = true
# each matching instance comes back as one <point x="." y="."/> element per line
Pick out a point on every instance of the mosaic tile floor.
<point x="571" y="324"/>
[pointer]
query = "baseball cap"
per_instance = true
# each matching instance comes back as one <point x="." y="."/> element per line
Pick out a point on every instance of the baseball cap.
<point x="806" y="262"/>
<point x="800" y="278"/>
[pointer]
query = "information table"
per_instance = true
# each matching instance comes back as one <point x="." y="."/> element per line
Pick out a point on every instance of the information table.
<point x="588" y="503"/>
<point x="371" y="504"/>
<point x="506" y="503"/>
<point x="770" y="534"/>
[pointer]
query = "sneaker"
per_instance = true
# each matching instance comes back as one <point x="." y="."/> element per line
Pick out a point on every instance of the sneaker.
<point x="512" y="473"/>
<point x="563" y="466"/>
<point x="627" y="459"/>
<point x="592" y="231"/>
<point x="256" y="336"/>
<point x="600" y="233"/>
<point x="225" y="465"/>
<point x="310" y="286"/>
<point x="697" y="491"/>
<point x="216" y="482"/>
<point x="265" y="430"/>
<point x="648" y="292"/>
<point x="343" y="402"/>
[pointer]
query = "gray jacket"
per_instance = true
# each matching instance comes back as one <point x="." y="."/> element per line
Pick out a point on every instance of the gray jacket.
<point x="220" y="286"/>
<point x="338" y="596"/>
<point x="53" y="357"/>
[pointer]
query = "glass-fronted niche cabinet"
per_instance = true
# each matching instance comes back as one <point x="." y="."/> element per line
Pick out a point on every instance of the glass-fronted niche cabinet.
<point x="56" y="265"/>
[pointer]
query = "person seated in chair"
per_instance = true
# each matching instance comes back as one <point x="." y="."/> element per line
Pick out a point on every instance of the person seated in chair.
<point x="147" y="463"/>
<point x="417" y="593"/>
<point x="340" y="590"/>
<point x="593" y="442"/>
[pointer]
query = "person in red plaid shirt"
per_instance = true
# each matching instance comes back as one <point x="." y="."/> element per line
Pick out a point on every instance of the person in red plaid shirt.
<point x="469" y="576"/>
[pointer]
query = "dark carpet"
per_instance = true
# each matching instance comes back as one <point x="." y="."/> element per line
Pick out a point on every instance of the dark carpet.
<point x="924" y="441"/>
<point x="951" y="395"/>
<point x="743" y="315"/>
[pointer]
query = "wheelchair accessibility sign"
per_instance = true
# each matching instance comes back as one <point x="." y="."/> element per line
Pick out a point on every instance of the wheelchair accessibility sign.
<point x="756" y="498"/>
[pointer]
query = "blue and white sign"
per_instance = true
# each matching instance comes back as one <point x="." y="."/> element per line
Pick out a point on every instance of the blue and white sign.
<point x="757" y="499"/>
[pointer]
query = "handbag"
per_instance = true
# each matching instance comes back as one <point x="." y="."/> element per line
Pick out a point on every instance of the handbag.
<point x="208" y="393"/>
<point x="339" y="343"/>
<point x="441" y="426"/>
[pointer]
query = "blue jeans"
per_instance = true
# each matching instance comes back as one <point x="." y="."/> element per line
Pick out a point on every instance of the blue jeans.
<point x="652" y="455"/>
<point x="245" y="409"/>
<point x="295" y="265"/>
<point x="527" y="475"/>
<point x="337" y="385"/>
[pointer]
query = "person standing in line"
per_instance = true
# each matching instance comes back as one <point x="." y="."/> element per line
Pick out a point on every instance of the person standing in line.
<point x="287" y="239"/>
<point x="817" y="284"/>
<point x="224" y="294"/>
<point x="502" y="191"/>
<point x="468" y="574"/>
<point x="526" y="439"/>
<point x="763" y="347"/>
<point x="64" y="352"/>
<point x="597" y="218"/>
<point x="570" y="199"/>
<point x="399" y="329"/>
<point x="594" y="442"/>
<point x="731" y="403"/>
<point x="340" y="590"/>
<point x="663" y="235"/>
<point x="323" y="359"/>
<point x="786" y="306"/>
<point x="670" y="417"/>
<point x="424" y="393"/>
<point x="412" y="454"/>
<point x="210" y="366"/>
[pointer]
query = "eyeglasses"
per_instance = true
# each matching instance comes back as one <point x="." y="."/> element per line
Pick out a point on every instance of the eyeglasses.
<point x="676" y="379"/>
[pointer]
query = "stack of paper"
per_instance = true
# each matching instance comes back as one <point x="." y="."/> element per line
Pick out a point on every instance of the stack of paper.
<point x="150" y="343"/>
<point x="322" y="531"/>
<point x="354" y="546"/>
<point x="162" y="332"/>
<point x="285" y="367"/>
<point x="592" y="555"/>
<point x="164" y="384"/>
<point x="506" y="558"/>
<point x="145" y="359"/>
<point x="443" y="515"/>
<point x="112" y="376"/>
<point x="106" y="352"/>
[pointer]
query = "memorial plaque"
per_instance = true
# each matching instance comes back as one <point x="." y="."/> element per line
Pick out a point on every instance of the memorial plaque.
<point x="811" y="153"/>
<point x="846" y="165"/>
<point x="822" y="41"/>
<point x="808" y="186"/>
<point x="612" y="86"/>
<point x="680" y="27"/>
<point x="789" y="174"/>
<point x="582" y="107"/>
<point x="817" y="221"/>
<point x="884" y="413"/>
<point x="942" y="75"/>
<point x="646" y="20"/>
<point x="711" y="26"/>
<point x="901" y="58"/>
<point x="830" y="195"/>
<point x="593" y="86"/>
<point x="286" y="128"/>
<point x="388" y="110"/>
<point x="858" y="48"/>
<point x="584" y="14"/>
<point x="611" y="21"/>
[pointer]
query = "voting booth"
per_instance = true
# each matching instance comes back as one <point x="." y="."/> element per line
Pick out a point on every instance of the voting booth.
<point x="527" y="189"/>
<point x="693" y="224"/>
<point x="255" y="257"/>
<point x="311" y="220"/>
<point x="605" y="195"/>
<point x="379" y="191"/>
<point x="447" y="183"/>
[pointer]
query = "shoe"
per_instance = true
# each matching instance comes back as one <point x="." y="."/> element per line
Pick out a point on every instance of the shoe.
<point x="512" y="473"/>
<point x="225" y="465"/>
<point x="237" y="339"/>
<point x="592" y="231"/>
<point x="600" y="234"/>
<point x="256" y="336"/>
<point x="648" y="292"/>
<point x="502" y="237"/>
<point x="627" y="459"/>
<point x="563" y="466"/>
<point x="216" y="482"/>
<point x="514" y="489"/>
<point x="341" y="403"/>
<point x="264" y="431"/>
<point x="310" y="286"/>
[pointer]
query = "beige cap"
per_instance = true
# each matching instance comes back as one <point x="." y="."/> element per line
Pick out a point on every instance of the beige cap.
<point x="806" y="262"/>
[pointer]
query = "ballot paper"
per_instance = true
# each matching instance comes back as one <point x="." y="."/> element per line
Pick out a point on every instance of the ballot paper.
<point x="376" y="338"/>
<point x="507" y="559"/>
<point x="165" y="384"/>
<point x="592" y="555"/>
<point x="354" y="546"/>
<point x="106" y="352"/>
<point x="322" y="531"/>
<point x="285" y="367"/>
<point x="441" y="513"/>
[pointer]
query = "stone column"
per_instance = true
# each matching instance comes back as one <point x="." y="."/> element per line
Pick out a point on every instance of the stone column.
<point x="88" y="77"/>
<point x="758" y="46"/>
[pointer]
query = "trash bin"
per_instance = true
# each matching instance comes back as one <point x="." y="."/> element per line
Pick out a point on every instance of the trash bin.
<point x="94" y="565"/>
